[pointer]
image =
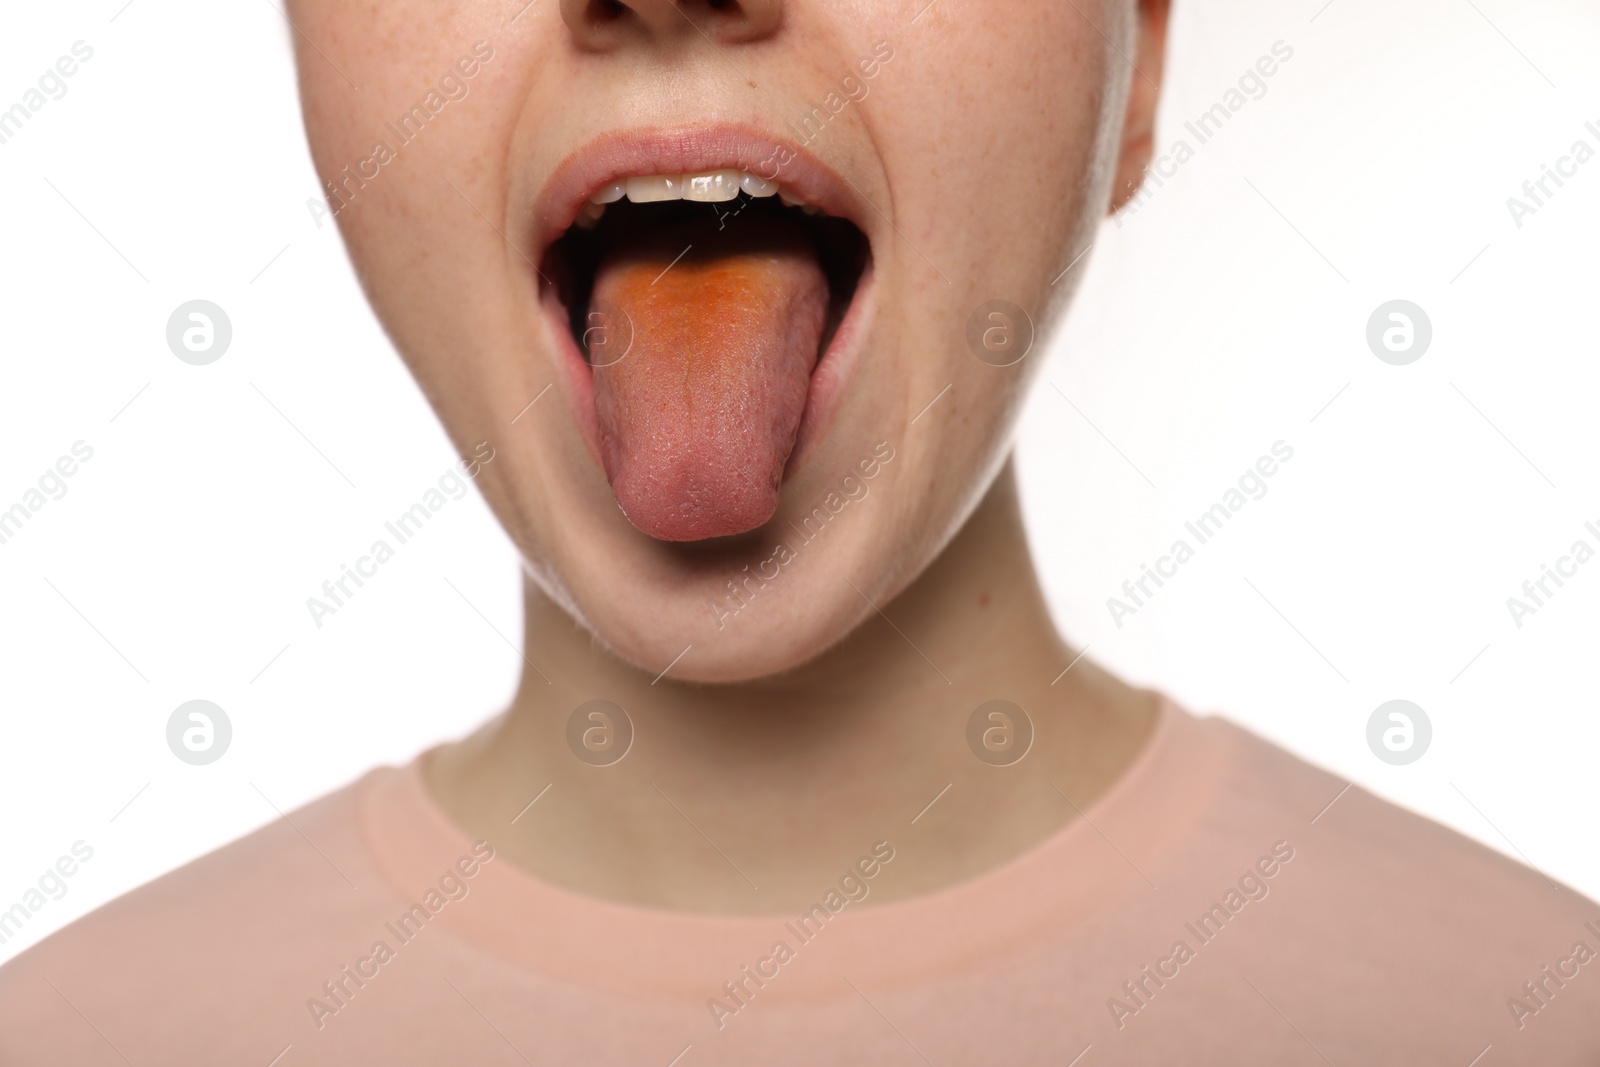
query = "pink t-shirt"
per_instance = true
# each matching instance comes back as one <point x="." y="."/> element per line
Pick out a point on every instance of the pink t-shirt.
<point x="1223" y="903"/>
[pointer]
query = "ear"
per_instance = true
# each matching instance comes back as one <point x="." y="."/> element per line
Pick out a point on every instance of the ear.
<point x="1139" y="125"/>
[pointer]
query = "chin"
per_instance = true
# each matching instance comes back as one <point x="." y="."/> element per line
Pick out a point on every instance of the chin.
<point x="725" y="614"/>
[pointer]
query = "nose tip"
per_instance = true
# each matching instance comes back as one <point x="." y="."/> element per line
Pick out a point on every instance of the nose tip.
<point x="606" y="24"/>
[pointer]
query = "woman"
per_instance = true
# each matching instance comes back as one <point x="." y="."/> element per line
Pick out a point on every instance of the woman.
<point x="729" y="306"/>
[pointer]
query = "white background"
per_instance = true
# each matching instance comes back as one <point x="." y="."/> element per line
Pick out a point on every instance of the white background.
<point x="1228" y="313"/>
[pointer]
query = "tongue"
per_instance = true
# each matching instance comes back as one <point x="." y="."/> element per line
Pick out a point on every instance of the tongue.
<point x="698" y="418"/>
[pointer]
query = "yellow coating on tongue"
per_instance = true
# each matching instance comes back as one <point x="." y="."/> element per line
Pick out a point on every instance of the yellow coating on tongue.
<point x="697" y="318"/>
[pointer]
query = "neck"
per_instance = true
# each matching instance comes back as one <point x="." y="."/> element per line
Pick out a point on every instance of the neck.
<point x="750" y="798"/>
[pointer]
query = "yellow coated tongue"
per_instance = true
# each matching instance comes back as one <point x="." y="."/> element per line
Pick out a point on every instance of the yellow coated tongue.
<point x="698" y="418"/>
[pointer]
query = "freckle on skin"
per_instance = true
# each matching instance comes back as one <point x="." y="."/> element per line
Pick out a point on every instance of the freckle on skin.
<point x="983" y="600"/>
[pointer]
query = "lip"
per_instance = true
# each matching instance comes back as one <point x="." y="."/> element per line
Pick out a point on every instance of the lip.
<point x="684" y="150"/>
<point x="697" y="149"/>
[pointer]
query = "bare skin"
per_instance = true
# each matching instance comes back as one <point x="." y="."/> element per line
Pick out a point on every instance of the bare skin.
<point x="977" y="161"/>
<point x="793" y="778"/>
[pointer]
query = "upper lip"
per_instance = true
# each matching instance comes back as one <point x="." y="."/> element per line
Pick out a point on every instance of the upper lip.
<point x="690" y="150"/>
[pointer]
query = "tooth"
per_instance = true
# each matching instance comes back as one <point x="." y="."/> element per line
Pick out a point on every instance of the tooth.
<point x="611" y="193"/>
<point x="589" y="217"/>
<point x="789" y="198"/>
<point x="655" y="188"/>
<point x="712" y="188"/>
<point x="755" y="185"/>
<point x="811" y="209"/>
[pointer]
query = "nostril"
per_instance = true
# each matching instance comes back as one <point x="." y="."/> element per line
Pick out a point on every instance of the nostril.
<point x="594" y="23"/>
<point x="746" y="20"/>
<point x="608" y="24"/>
<point x="595" y="12"/>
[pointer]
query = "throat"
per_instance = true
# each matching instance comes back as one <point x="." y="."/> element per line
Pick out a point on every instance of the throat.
<point x="796" y="778"/>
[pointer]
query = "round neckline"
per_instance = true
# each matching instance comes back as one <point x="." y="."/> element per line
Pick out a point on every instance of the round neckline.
<point x="544" y="927"/>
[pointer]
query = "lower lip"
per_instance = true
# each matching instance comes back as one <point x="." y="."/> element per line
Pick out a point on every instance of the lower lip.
<point x="829" y="377"/>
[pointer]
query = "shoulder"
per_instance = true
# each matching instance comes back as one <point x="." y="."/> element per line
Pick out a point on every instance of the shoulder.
<point x="1407" y="924"/>
<point x="1375" y="841"/>
<point x="226" y="937"/>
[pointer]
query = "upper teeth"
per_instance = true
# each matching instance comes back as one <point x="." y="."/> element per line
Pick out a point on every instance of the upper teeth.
<point x="709" y="187"/>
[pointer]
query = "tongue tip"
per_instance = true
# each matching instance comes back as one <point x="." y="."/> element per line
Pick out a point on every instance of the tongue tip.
<point x="681" y="524"/>
<point x="690" y="496"/>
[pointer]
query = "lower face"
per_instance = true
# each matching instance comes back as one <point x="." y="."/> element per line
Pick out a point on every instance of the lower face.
<point x="698" y="288"/>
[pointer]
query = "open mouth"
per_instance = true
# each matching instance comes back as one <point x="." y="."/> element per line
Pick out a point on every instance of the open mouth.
<point x="702" y="306"/>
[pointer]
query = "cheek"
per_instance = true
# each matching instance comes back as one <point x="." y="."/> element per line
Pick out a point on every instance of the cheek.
<point x="389" y="145"/>
<point x="1015" y="121"/>
<point x="419" y="196"/>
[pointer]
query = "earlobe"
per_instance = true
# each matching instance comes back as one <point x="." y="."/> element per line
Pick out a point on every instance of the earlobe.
<point x="1139" y="123"/>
